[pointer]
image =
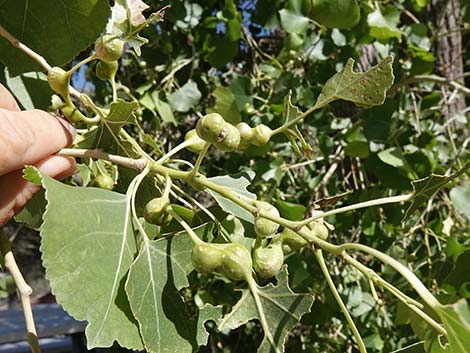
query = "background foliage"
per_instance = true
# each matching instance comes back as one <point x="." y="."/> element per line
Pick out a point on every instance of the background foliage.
<point x="241" y="60"/>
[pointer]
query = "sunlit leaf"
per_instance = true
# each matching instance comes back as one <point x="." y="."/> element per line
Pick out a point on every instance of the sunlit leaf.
<point x="424" y="189"/>
<point x="281" y="307"/>
<point x="153" y="285"/>
<point x="87" y="248"/>
<point x="364" y="89"/>
<point x="238" y="183"/>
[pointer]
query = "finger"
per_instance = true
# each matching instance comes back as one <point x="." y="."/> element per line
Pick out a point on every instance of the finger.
<point x="16" y="191"/>
<point x="7" y="101"/>
<point x="27" y="137"/>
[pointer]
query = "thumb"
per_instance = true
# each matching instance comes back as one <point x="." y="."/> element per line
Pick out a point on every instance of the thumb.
<point x="29" y="136"/>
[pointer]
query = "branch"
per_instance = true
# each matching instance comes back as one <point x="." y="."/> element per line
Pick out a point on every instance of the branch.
<point x="25" y="49"/>
<point x="429" y="78"/>
<point x="24" y="291"/>
<point x="137" y="164"/>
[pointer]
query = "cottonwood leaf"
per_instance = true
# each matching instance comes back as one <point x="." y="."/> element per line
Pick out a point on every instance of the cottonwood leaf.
<point x="237" y="183"/>
<point x="365" y="89"/>
<point x="225" y="105"/>
<point x="460" y="197"/>
<point x="106" y="135"/>
<point x="88" y="245"/>
<point x="58" y="31"/>
<point x="186" y="97"/>
<point x="127" y="19"/>
<point x="456" y="320"/>
<point x="424" y="189"/>
<point x="281" y="307"/>
<point x="153" y="285"/>
<point x="31" y="89"/>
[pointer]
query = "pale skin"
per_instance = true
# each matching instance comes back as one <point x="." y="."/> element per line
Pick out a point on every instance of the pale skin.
<point x="29" y="137"/>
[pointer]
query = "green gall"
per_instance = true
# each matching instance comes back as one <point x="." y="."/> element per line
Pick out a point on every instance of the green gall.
<point x="268" y="261"/>
<point x="264" y="227"/>
<point x="155" y="211"/>
<point x="246" y="135"/>
<point x="103" y="182"/>
<point x="210" y="127"/>
<point x="261" y="135"/>
<point x="59" y="80"/>
<point x="229" y="138"/>
<point x="106" y="70"/>
<point x="109" y="47"/>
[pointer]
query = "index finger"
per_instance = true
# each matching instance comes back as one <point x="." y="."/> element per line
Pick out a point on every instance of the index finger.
<point x="29" y="136"/>
<point x="7" y="101"/>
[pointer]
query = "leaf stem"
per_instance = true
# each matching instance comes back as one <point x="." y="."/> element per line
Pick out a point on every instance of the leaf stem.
<point x="419" y="287"/>
<point x="370" y="203"/>
<point x="321" y="261"/>
<point x="199" y="160"/>
<point x="294" y="121"/>
<point x="24" y="291"/>
<point x="195" y="239"/>
<point x="259" y="307"/>
<point x="406" y="300"/>
<point x="175" y="150"/>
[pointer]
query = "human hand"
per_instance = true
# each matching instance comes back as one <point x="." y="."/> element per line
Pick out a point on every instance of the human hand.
<point x="28" y="138"/>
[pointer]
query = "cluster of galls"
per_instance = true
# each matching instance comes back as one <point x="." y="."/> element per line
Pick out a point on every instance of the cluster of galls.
<point x="213" y="129"/>
<point x="108" y="49"/>
<point x="235" y="262"/>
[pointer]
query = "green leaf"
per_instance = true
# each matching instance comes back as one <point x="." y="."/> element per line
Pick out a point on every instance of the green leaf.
<point x="32" y="213"/>
<point x="424" y="189"/>
<point x="152" y="286"/>
<point x="237" y="183"/>
<point x="383" y="26"/>
<point x="291" y="211"/>
<point x="460" y="197"/>
<point x="186" y="97"/>
<point x="336" y="13"/>
<point x="31" y="89"/>
<point x="57" y="31"/>
<point x="87" y="248"/>
<point x="364" y="89"/>
<point x="357" y="149"/>
<point x="106" y="136"/>
<point x="293" y="22"/>
<point x="225" y="105"/>
<point x="281" y="307"/>
<point x="456" y="320"/>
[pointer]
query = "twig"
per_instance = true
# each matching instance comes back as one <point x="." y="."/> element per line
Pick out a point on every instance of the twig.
<point x="339" y="301"/>
<point x="137" y="164"/>
<point x="25" y="49"/>
<point x="24" y="291"/>
<point x="429" y="78"/>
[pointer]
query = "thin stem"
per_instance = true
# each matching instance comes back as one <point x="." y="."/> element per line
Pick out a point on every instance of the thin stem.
<point x="24" y="291"/>
<point x="133" y="188"/>
<point x="81" y="63"/>
<point x="339" y="301"/>
<point x="175" y="150"/>
<point x="294" y="121"/>
<point x="262" y="317"/>
<point x="370" y="203"/>
<point x="199" y="160"/>
<point x="409" y="302"/>
<point x="187" y="228"/>
<point x="113" y="87"/>
<point x="137" y="164"/>
<point x="430" y="78"/>
<point x="419" y="287"/>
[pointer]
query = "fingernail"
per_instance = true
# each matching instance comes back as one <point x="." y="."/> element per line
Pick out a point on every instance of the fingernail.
<point x="69" y="127"/>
